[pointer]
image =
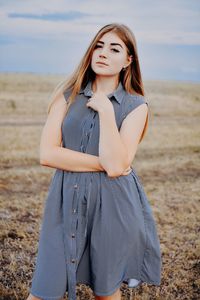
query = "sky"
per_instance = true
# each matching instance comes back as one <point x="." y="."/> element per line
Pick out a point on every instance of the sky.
<point x="51" y="37"/>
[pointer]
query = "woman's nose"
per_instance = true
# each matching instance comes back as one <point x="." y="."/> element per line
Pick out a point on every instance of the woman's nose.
<point x="102" y="55"/>
<point x="103" y="52"/>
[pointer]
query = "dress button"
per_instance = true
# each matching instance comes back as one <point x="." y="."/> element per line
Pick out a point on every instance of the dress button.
<point x="74" y="210"/>
<point x="73" y="260"/>
<point x="73" y="235"/>
<point x="75" y="186"/>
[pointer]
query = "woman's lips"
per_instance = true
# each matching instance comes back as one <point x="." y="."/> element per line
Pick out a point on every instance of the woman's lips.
<point x="101" y="63"/>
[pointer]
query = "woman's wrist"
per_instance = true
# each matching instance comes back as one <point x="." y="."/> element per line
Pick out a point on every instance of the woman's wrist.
<point x="106" y="110"/>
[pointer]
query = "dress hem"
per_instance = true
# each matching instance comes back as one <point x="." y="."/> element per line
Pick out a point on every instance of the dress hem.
<point x="98" y="293"/>
<point x="48" y="297"/>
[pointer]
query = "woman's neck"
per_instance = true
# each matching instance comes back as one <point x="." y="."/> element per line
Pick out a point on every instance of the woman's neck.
<point x="105" y="84"/>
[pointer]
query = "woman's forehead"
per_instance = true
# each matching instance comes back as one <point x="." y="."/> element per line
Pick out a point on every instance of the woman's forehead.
<point x="111" y="38"/>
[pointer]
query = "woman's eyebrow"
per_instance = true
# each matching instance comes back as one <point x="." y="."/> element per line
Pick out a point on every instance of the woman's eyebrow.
<point x="113" y="44"/>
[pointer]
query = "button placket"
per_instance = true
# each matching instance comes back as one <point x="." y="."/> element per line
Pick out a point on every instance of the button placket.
<point x="84" y="132"/>
<point x="74" y="220"/>
<point x="72" y="263"/>
<point x="86" y="135"/>
<point x="87" y="130"/>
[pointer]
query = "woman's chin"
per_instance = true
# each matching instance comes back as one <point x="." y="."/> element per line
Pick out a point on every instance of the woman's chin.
<point x="103" y="72"/>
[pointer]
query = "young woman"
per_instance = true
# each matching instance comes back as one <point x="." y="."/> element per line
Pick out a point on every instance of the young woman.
<point x="98" y="227"/>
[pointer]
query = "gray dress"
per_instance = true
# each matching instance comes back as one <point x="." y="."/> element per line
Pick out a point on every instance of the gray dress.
<point x="96" y="230"/>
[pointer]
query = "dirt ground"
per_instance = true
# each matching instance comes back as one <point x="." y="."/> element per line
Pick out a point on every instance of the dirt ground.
<point x="167" y="162"/>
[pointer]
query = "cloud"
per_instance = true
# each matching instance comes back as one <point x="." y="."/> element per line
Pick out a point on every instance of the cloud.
<point x="169" y="37"/>
<point x="68" y="16"/>
<point x="175" y="22"/>
<point x="41" y="35"/>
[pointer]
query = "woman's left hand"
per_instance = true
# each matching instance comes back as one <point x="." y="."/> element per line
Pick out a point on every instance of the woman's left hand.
<point x="99" y="102"/>
<point x="127" y="171"/>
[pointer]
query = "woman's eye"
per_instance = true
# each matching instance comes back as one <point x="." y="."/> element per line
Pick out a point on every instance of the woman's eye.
<point x="97" y="46"/>
<point x="115" y="50"/>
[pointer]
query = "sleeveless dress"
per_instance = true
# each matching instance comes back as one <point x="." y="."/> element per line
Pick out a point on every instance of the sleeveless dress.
<point x="96" y="230"/>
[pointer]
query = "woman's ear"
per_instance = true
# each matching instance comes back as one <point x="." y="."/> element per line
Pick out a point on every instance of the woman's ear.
<point x="129" y="60"/>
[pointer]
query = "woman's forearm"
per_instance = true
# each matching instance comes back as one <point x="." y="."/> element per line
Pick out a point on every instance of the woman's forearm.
<point x="112" y="152"/>
<point x="70" y="160"/>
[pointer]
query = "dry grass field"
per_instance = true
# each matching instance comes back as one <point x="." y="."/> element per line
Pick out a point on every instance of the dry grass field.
<point x="167" y="162"/>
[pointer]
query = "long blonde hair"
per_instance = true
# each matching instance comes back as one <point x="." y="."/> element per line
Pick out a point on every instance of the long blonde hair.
<point x="130" y="77"/>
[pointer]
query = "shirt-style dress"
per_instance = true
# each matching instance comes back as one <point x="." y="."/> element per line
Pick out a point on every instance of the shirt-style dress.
<point x="96" y="230"/>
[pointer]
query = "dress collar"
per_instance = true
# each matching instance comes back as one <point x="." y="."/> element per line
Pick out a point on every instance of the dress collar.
<point x="118" y="92"/>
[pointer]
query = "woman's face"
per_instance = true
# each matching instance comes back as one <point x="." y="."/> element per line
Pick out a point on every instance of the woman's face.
<point x="112" y="51"/>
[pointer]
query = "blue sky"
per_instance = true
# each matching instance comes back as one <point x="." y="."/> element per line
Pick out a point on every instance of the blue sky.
<point x="51" y="36"/>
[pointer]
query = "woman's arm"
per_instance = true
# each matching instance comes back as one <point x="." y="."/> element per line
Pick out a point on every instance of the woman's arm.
<point x="112" y="153"/>
<point x="117" y="149"/>
<point x="52" y="154"/>
<point x="70" y="160"/>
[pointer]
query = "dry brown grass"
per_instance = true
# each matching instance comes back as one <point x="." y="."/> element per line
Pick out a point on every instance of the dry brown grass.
<point x="167" y="162"/>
